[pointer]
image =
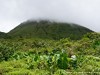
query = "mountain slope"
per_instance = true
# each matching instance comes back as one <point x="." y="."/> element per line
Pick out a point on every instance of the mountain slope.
<point x="47" y="29"/>
<point x="4" y="35"/>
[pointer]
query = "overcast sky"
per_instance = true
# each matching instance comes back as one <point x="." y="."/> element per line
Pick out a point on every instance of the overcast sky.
<point x="83" y="12"/>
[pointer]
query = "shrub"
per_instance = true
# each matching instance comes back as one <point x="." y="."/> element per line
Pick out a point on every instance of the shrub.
<point x="5" y="52"/>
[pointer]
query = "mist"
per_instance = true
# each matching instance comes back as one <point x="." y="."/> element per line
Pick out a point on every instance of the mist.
<point x="82" y="12"/>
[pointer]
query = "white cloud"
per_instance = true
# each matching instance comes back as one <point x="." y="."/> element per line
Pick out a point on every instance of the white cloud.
<point x="83" y="12"/>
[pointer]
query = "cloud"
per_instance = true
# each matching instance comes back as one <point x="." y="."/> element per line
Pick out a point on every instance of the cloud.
<point x="83" y="12"/>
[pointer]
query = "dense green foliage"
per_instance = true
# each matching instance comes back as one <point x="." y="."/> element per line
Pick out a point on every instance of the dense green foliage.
<point x="50" y="30"/>
<point x="36" y="56"/>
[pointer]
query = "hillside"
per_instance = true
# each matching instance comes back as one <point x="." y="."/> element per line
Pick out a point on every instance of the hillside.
<point x="51" y="57"/>
<point x="30" y="54"/>
<point x="49" y="30"/>
<point x="4" y="35"/>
